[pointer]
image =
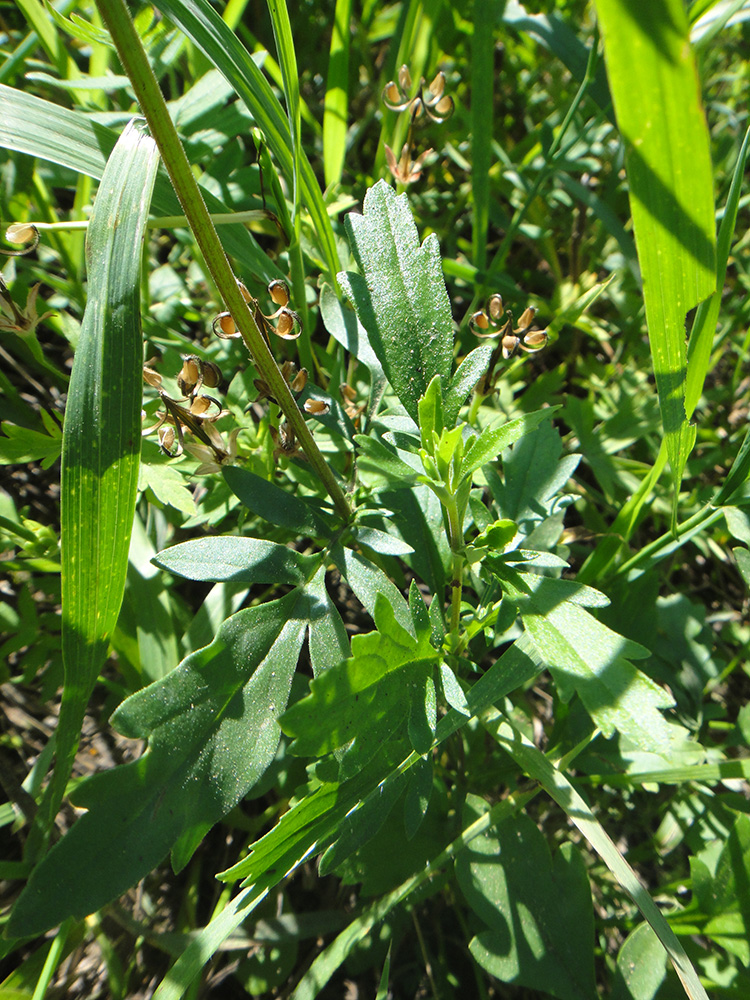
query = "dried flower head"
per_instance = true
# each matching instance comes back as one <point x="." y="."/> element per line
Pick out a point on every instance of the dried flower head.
<point x="431" y="101"/>
<point x="405" y="170"/>
<point x="23" y="320"/>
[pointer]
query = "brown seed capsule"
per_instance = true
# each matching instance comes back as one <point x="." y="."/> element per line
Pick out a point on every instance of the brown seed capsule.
<point x="347" y="392"/>
<point x="288" y="325"/>
<point x="479" y="321"/>
<point x="510" y="345"/>
<point x="151" y="377"/>
<point x="190" y="374"/>
<point x="244" y="292"/>
<point x="527" y="318"/>
<point x="316" y="407"/>
<point x="495" y="307"/>
<point x="536" y="339"/>
<point x="212" y="376"/>
<point x="300" y="381"/>
<point x="225" y="327"/>
<point x="279" y="292"/>
<point x="21" y="232"/>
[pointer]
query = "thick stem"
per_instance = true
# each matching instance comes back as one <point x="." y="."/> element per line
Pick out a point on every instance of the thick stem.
<point x="115" y="15"/>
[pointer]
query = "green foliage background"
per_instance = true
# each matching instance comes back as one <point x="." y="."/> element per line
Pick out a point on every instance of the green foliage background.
<point x="442" y="672"/>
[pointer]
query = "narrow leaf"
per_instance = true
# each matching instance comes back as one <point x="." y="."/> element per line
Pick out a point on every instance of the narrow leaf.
<point x="671" y="188"/>
<point x="102" y="435"/>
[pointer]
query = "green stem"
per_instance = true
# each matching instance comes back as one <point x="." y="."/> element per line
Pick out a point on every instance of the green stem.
<point x="669" y="542"/>
<point x="455" y="537"/>
<point x="115" y="15"/>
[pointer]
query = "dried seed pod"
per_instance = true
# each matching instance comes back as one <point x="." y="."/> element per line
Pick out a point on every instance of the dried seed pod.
<point x="535" y="340"/>
<point x="190" y="374"/>
<point x="279" y="292"/>
<point x="495" y="307"/>
<point x="510" y="345"/>
<point x="479" y="321"/>
<point x="288" y="325"/>
<point x="299" y="381"/>
<point x="404" y="78"/>
<point x="437" y="87"/>
<point x="21" y="233"/>
<point x="347" y="392"/>
<point x="316" y="407"/>
<point x="527" y="318"/>
<point x="167" y="440"/>
<point x="212" y="376"/>
<point x="225" y="327"/>
<point x="151" y="377"/>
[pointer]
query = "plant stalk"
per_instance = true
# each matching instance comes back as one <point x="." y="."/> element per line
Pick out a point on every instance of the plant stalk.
<point x="115" y="15"/>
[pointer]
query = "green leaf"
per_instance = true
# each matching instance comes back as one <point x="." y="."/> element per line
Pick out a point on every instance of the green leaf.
<point x="586" y="656"/>
<point x="361" y="824"/>
<point x="342" y="323"/>
<point x="366" y="699"/>
<point x="656" y="95"/>
<point x="418" y="795"/>
<point x="737" y="475"/>
<point x="430" y="410"/>
<point x="102" y="436"/>
<point x="212" y="730"/>
<point x="335" y="107"/>
<point x="282" y="33"/>
<point x="534" y="472"/>
<point x="219" y="558"/>
<point x="555" y="783"/>
<point x="370" y="583"/>
<point x="466" y="376"/>
<point x="725" y="896"/>
<point x="20" y="445"/>
<point x="381" y="463"/>
<point x="168" y="486"/>
<point x="538" y="909"/>
<point x="493" y="440"/>
<point x="274" y="504"/>
<point x="641" y="966"/>
<point x="400" y="295"/>
<point x="703" y="330"/>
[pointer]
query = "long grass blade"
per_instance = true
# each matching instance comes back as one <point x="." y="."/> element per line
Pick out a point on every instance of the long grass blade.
<point x="101" y="436"/>
<point x="336" y="104"/>
<point x="671" y="188"/>
<point x="282" y="33"/>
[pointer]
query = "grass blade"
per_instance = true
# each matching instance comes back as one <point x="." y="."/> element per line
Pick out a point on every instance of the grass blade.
<point x="102" y="436"/>
<point x="337" y="95"/>
<point x="671" y="189"/>
<point x="282" y="33"/>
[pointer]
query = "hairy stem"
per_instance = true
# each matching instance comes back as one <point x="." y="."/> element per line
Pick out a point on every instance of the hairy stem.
<point x="115" y="15"/>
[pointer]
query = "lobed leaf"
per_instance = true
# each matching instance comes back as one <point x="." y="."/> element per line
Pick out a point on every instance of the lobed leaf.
<point x="212" y="730"/>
